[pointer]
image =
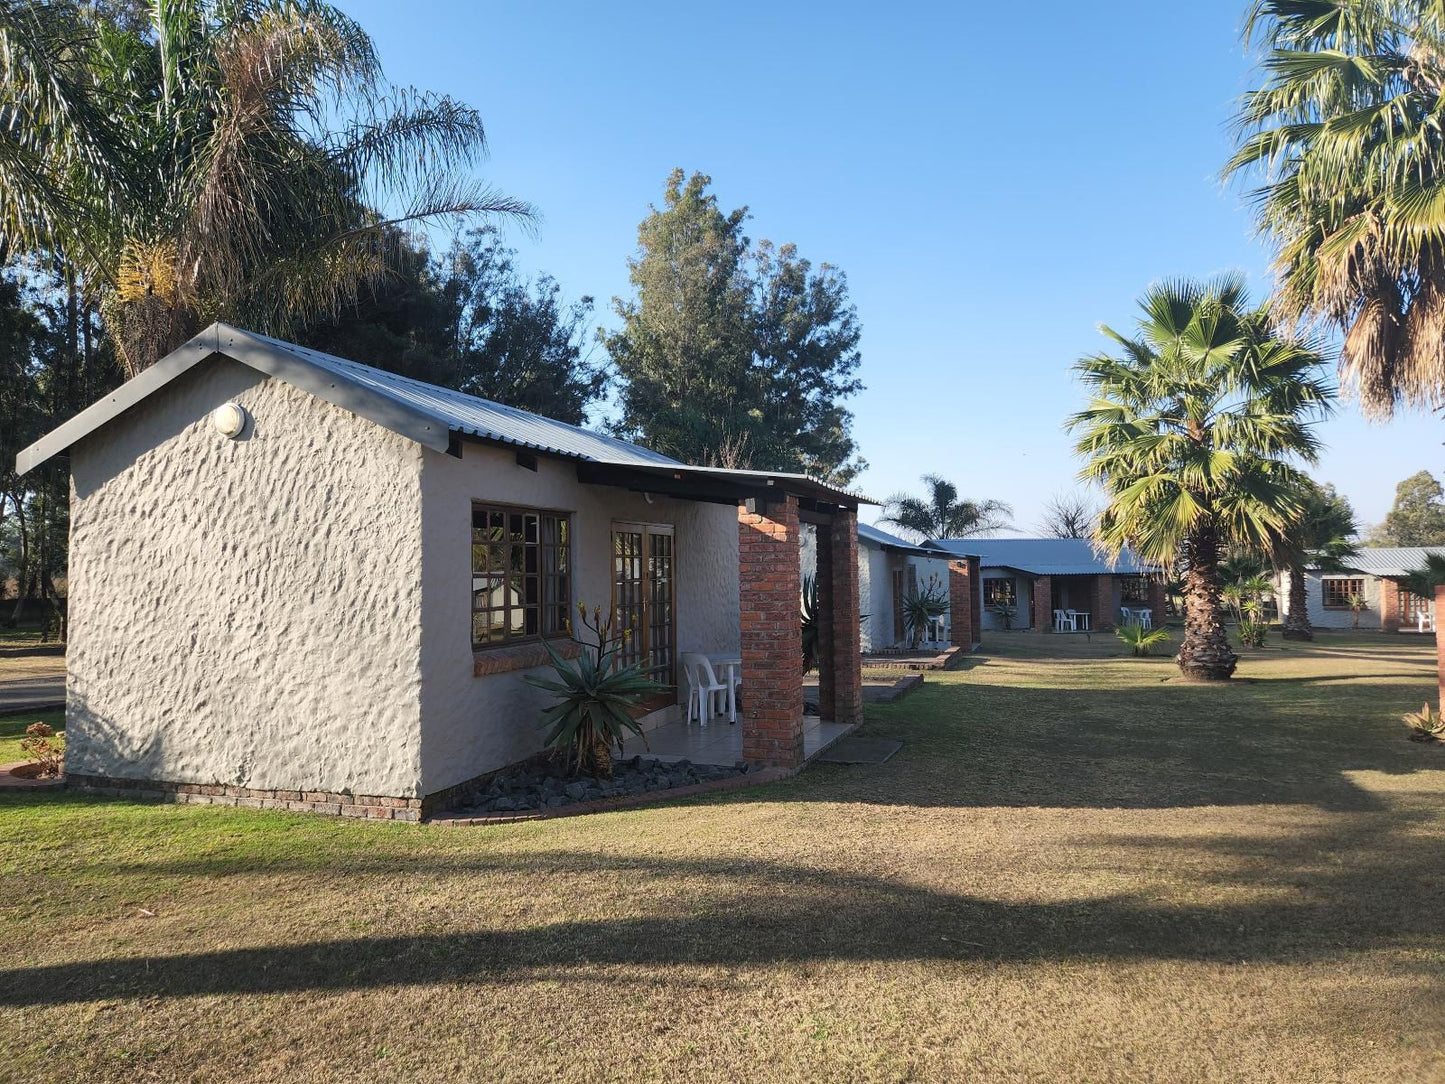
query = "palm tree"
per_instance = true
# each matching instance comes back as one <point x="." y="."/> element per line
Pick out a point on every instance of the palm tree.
<point x="1345" y="140"/>
<point x="219" y="159"/>
<point x="941" y="514"/>
<point x="1322" y="537"/>
<point x="1190" y="431"/>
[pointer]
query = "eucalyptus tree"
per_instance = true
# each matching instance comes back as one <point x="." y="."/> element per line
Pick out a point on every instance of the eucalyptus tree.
<point x="1192" y="431"/>
<point x="940" y="513"/>
<point x="1320" y="536"/>
<point x="1345" y="141"/>
<point x="235" y="159"/>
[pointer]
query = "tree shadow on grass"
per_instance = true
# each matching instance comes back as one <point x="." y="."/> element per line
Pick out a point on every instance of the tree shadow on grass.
<point x="747" y="912"/>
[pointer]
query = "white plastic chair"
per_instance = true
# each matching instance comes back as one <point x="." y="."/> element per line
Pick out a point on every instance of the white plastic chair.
<point x="1127" y="615"/>
<point x="1062" y="621"/>
<point x="1145" y="618"/>
<point x="1425" y="620"/>
<point x="706" y="695"/>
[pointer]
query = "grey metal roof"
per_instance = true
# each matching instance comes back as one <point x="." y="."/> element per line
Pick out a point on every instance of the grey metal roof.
<point x="879" y="537"/>
<point x="1045" y="556"/>
<point x="1393" y="561"/>
<point x="423" y="412"/>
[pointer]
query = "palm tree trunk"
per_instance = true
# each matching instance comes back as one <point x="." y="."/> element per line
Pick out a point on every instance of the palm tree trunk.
<point x="1205" y="654"/>
<point x="1297" y="620"/>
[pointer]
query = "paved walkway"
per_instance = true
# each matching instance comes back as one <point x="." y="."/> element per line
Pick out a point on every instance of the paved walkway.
<point x="31" y="682"/>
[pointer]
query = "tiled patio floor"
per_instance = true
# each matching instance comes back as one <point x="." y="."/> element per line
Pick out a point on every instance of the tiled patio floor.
<point x="722" y="743"/>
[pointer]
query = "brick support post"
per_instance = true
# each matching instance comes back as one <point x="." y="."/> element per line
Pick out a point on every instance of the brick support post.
<point x="769" y="587"/>
<point x="1158" y="600"/>
<point x="1104" y="612"/>
<point x="823" y="581"/>
<point x="1389" y="605"/>
<point x="845" y="642"/>
<point x="962" y="586"/>
<point x="1440" y="643"/>
<point x="975" y="573"/>
<point x="1043" y="604"/>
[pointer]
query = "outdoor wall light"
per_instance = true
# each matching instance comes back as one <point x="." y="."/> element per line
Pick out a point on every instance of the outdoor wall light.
<point x="229" y="419"/>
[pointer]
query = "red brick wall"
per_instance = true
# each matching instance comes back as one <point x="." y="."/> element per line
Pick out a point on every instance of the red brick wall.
<point x="965" y="602"/>
<point x="976" y="575"/>
<point x="1105" y="615"/>
<point x="769" y="586"/>
<point x="1440" y="643"/>
<point x="1389" y="606"/>
<point x="1158" y="601"/>
<point x="370" y="806"/>
<point x="1043" y="604"/>
<point x="846" y="641"/>
<point x="823" y="577"/>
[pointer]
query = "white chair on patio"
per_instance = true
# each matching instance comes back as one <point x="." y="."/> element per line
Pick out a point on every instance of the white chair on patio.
<point x="938" y="629"/>
<point x="1126" y="616"/>
<point x="1425" y="620"/>
<point x="706" y="695"/>
<point x="1145" y="618"/>
<point x="1063" y="621"/>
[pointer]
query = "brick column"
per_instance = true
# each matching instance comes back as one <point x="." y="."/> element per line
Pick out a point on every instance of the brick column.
<point x="963" y="585"/>
<point x="975" y="574"/>
<point x="823" y="581"/>
<point x="1440" y="643"/>
<point x="1389" y="606"/>
<point x="1043" y="604"/>
<point x="1104" y="612"/>
<point x="1158" y="600"/>
<point x="770" y="584"/>
<point x="845" y="643"/>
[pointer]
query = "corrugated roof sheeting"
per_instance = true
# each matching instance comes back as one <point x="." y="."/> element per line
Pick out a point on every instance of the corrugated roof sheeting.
<point x="880" y="537"/>
<point x="1046" y="556"/>
<point x="1396" y="561"/>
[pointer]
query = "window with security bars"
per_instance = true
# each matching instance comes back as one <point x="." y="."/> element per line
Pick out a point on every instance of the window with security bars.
<point x="521" y="574"/>
<point x="1134" y="590"/>
<point x="999" y="593"/>
<point x="1336" y="593"/>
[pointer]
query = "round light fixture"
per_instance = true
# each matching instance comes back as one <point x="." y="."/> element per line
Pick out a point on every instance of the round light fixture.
<point x="229" y="419"/>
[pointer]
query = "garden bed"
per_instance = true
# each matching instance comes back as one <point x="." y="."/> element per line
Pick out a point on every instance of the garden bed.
<point x="545" y="786"/>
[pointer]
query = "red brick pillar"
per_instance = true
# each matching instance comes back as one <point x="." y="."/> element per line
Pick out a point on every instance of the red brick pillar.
<point x="1440" y="643"/>
<point x="975" y="573"/>
<point x="1389" y="606"/>
<point x="1158" y="600"/>
<point x="822" y="581"/>
<point x="1104" y="612"/>
<point x="963" y="585"/>
<point x="845" y="644"/>
<point x="1043" y="604"/>
<point x="770" y="583"/>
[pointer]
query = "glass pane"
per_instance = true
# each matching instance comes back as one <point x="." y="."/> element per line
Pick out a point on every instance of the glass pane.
<point x="514" y="526"/>
<point x="529" y="529"/>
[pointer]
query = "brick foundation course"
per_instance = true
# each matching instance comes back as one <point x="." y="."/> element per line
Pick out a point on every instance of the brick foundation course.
<point x="366" y="806"/>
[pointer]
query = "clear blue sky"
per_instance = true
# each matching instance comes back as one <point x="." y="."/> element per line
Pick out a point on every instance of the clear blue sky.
<point x="993" y="188"/>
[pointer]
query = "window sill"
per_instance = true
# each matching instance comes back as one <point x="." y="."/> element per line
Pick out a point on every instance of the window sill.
<point x="487" y="661"/>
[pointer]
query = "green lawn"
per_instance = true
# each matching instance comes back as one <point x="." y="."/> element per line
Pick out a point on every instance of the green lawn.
<point x="12" y="729"/>
<point x="1077" y="869"/>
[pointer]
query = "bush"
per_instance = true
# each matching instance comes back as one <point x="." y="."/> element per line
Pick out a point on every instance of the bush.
<point x="921" y="606"/>
<point x="42" y="748"/>
<point x="1425" y="725"/>
<point x="1141" y="641"/>
<point x="1252" y="632"/>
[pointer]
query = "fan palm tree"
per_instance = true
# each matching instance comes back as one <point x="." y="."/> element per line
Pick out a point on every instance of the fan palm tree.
<point x="227" y="159"/>
<point x="1322" y="537"/>
<point x="1190" y="431"/>
<point x="941" y="514"/>
<point x="1345" y="140"/>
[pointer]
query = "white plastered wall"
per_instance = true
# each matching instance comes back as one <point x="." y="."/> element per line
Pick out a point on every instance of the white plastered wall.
<point x="1322" y="618"/>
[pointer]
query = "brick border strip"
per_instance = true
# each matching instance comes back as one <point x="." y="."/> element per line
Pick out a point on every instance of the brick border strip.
<point x="367" y="806"/>
<point x="607" y="805"/>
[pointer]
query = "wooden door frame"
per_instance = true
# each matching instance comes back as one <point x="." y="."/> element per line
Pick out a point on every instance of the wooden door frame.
<point x="644" y="633"/>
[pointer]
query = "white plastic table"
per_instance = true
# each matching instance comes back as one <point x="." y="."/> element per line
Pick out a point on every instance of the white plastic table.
<point x="1080" y="620"/>
<point x="732" y="665"/>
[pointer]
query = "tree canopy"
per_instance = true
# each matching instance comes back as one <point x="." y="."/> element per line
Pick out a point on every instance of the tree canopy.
<point x="730" y="354"/>
<point x="1417" y="518"/>
<point x="940" y="513"/>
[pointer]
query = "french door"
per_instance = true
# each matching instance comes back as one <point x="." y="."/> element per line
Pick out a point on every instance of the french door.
<point x="644" y="570"/>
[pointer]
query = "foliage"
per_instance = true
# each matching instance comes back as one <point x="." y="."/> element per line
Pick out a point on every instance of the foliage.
<point x="809" y="617"/>
<point x="1005" y="612"/>
<point x="1425" y="724"/>
<point x="1140" y="641"/>
<point x="921" y="606"/>
<point x="1191" y="431"/>
<point x="43" y="748"/>
<point x="1069" y="515"/>
<point x="1252" y="631"/>
<point x="941" y="514"/>
<point x="1246" y="597"/>
<point x="594" y="697"/>
<point x="1321" y="535"/>
<point x="1345" y="140"/>
<point x="730" y="355"/>
<point x="468" y="320"/>
<point x="1358" y="605"/>
<point x="1417" y="518"/>
<point x="1422" y="581"/>
<point x="219" y="160"/>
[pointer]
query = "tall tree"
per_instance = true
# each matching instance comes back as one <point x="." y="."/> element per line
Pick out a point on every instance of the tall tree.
<point x="1417" y="518"/>
<point x="1320" y="536"/>
<point x="1069" y="515"/>
<point x="244" y="161"/>
<point x="1345" y="139"/>
<point x="941" y="514"/>
<point x="1191" y="430"/>
<point x="729" y="355"/>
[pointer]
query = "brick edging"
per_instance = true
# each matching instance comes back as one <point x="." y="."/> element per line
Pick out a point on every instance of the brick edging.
<point x="368" y="806"/>
<point x="605" y="805"/>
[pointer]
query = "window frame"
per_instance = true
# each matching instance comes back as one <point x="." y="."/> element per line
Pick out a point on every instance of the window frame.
<point x="549" y="563"/>
<point x="1134" y="590"/>
<point x="990" y="587"/>
<point x="1327" y="583"/>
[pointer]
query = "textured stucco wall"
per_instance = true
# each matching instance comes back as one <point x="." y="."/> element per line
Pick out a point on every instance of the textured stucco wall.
<point x="1322" y="618"/>
<point x="472" y="725"/>
<point x="246" y="611"/>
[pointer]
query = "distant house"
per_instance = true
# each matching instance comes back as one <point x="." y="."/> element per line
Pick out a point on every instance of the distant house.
<point x="1374" y="576"/>
<point x="301" y="582"/>
<point x="1036" y="579"/>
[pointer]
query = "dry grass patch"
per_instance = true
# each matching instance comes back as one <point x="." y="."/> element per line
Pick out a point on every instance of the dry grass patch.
<point x="1075" y="870"/>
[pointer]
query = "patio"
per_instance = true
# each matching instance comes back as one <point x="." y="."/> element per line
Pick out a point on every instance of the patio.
<point x="721" y="742"/>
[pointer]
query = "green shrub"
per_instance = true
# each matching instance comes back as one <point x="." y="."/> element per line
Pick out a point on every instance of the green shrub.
<point x="922" y="606"/>
<point x="1141" y="641"/>
<point x="1252" y="632"/>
